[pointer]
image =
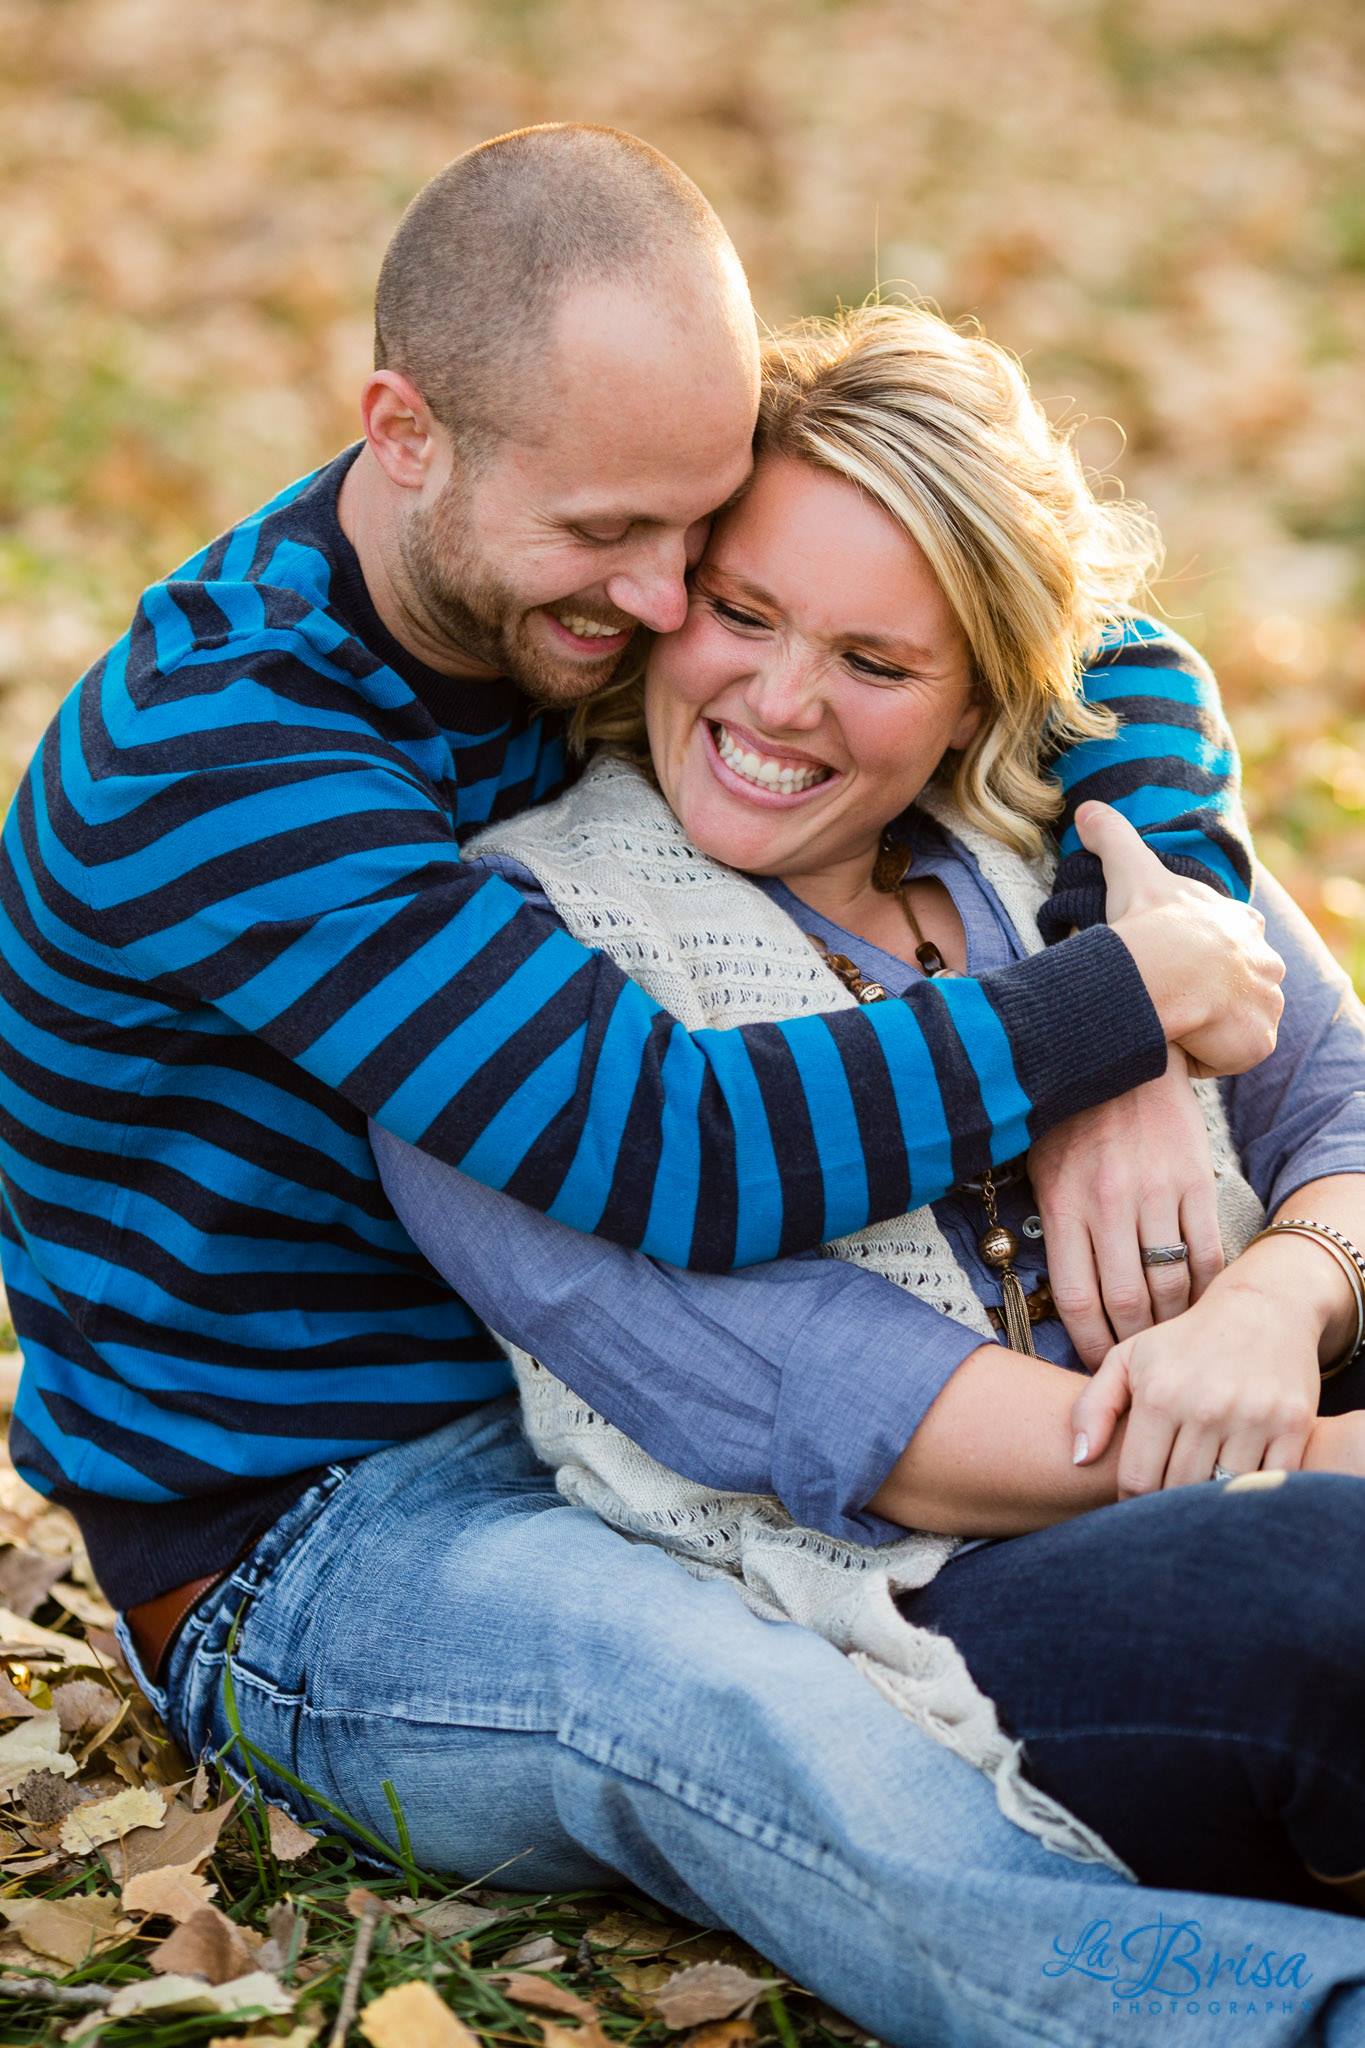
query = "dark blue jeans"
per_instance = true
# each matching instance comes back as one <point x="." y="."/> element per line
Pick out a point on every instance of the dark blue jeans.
<point x="1187" y="1673"/>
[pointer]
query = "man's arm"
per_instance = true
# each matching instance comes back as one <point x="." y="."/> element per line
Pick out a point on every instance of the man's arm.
<point x="1171" y="768"/>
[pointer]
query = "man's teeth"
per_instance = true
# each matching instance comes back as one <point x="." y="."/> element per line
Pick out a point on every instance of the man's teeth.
<point x="587" y="629"/>
<point x="762" y="769"/>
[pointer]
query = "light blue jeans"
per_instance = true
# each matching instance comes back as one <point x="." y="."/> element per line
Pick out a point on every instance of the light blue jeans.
<point x="538" y="1688"/>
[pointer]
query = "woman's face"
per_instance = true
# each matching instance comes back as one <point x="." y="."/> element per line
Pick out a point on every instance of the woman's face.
<point x="816" y="684"/>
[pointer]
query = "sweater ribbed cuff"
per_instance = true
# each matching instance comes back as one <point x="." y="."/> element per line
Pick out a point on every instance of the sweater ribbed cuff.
<point x="1081" y="1024"/>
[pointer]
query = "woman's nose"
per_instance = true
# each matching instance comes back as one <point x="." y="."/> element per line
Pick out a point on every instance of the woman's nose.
<point x="784" y="694"/>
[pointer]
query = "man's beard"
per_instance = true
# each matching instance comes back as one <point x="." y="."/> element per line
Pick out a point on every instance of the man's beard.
<point x="466" y="603"/>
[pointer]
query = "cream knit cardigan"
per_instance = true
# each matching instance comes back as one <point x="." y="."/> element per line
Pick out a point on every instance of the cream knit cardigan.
<point x="714" y="950"/>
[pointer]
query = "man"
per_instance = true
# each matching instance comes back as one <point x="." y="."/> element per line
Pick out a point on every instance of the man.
<point x="235" y="926"/>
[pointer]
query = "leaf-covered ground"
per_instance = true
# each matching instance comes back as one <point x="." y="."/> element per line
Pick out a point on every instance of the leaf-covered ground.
<point x="1161" y="207"/>
<point x="146" y="1901"/>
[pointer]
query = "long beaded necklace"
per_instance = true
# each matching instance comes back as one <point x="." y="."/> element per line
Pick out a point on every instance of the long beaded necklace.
<point x="997" y="1244"/>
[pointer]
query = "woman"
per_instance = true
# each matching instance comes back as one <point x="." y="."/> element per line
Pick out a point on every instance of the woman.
<point x="882" y="648"/>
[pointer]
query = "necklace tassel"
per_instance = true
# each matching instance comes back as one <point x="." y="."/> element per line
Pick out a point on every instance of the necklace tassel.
<point x="1018" y="1328"/>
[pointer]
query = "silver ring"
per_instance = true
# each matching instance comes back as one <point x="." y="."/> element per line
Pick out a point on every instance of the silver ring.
<point x="1222" y="1472"/>
<point x="1165" y="1254"/>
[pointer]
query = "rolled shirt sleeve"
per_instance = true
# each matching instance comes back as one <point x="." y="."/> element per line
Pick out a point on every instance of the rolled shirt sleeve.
<point x="804" y="1377"/>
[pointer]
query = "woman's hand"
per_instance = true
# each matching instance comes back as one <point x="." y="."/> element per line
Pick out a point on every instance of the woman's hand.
<point x="1234" y="1381"/>
<point x="1212" y="978"/>
<point x="1135" y="1171"/>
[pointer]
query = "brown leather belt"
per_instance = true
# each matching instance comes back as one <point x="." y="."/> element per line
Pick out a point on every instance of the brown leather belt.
<point x="153" y="1624"/>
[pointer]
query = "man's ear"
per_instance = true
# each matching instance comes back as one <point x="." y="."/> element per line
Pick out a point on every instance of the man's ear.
<point x="399" y="428"/>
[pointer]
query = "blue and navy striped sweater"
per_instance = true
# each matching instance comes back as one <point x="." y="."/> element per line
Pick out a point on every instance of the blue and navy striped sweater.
<point x="234" y="924"/>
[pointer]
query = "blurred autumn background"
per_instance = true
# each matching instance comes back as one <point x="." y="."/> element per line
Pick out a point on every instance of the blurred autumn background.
<point x="1160" y="204"/>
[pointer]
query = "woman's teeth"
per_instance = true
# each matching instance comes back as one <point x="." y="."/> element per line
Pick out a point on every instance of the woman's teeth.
<point x="587" y="629"/>
<point x="762" y="769"/>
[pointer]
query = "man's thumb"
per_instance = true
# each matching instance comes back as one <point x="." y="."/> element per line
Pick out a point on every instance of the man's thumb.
<point x="1121" y="851"/>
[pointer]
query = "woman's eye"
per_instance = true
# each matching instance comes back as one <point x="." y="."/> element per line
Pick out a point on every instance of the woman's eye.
<point x="860" y="664"/>
<point x="732" y="615"/>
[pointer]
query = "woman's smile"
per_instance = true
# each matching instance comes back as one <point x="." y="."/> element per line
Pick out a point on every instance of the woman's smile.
<point x="757" y="769"/>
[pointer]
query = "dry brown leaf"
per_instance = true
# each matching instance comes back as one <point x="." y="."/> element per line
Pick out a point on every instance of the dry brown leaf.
<point x="548" y="1997"/>
<point x="91" y="1608"/>
<point x="208" y="1944"/>
<point x="412" y="2016"/>
<point x="723" y="2034"/>
<point x="44" y="1799"/>
<point x="301" y="2036"/>
<point x="188" y="1838"/>
<point x="258" y="1992"/>
<point x="22" y="1638"/>
<point x="83" y="1706"/>
<point x="67" y="1929"/>
<point x="33" y="1746"/>
<point x="104" y="1820"/>
<point x="280" y="1921"/>
<point x="542" y="1952"/>
<point x="288" y="1841"/>
<point x="26" y="1576"/>
<point x="641" y="1980"/>
<point x="709" y="1991"/>
<point x="199" y="1790"/>
<point x="174" y="1892"/>
<point x="16" y="1705"/>
<point x="363" y="1904"/>
<point x="629" y="1935"/>
<point x="444" y="1919"/>
<point x="555" y="2036"/>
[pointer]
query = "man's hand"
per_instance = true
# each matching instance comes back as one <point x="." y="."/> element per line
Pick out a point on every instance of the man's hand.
<point x="1234" y="1381"/>
<point x="1214" y="981"/>
<point x="1135" y="1171"/>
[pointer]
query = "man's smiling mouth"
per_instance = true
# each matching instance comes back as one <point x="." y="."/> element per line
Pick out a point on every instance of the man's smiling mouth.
<point x="783" y="773"/>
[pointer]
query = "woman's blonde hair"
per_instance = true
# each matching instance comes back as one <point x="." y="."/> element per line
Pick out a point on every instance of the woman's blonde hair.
<point x="938" y="426"/>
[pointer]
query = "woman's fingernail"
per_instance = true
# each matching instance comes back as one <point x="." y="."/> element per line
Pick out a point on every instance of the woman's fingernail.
<point x="1080" y="1450"/>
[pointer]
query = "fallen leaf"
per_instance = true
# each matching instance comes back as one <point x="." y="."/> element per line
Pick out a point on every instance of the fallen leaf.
<point x="174" y="1892"/>
<point x="363" y="1904"/>
<point x="554" y="2036"/>
<point x="20" y="1636"/>
<point x="723" y="2034"/>
<point x="540" y="1992"/>
<point x="281" y="1920"/>
<point x="199" y="1790"/>
<point x="44" y="1799"/>
<point x="300" y="2036"/>
<point x="91" y="1608"/>
<point x="188" y="1838"/>
<point x="33" y="1746"/>
<point x="542" y="1952"/>
<point x="412" y="2016"/>
<point x="104" y="1820"/>
<point x="288" y="1841"/>
<point x="83" y="1706"/>
<point x="257" y="1993"/>
<point x="641" y="1980"/>
<point x="630" y="1935"/>
<point x="26" y="1576"/>
<point x="443" y="1919"/>
<point x="208" y="1944"/>
<point x="709" y="1991"/>
<point x="67" y="1929"/>
<point x="16" y="1705"/>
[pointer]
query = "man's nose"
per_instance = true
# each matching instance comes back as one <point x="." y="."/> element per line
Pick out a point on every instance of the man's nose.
<point x="653" y="586"/>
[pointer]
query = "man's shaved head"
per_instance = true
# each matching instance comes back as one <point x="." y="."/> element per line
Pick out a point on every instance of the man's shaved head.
<point x="486" y="253"/>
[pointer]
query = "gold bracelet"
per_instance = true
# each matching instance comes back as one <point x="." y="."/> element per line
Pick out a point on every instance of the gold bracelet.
<point x="1352" y="1265"/>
